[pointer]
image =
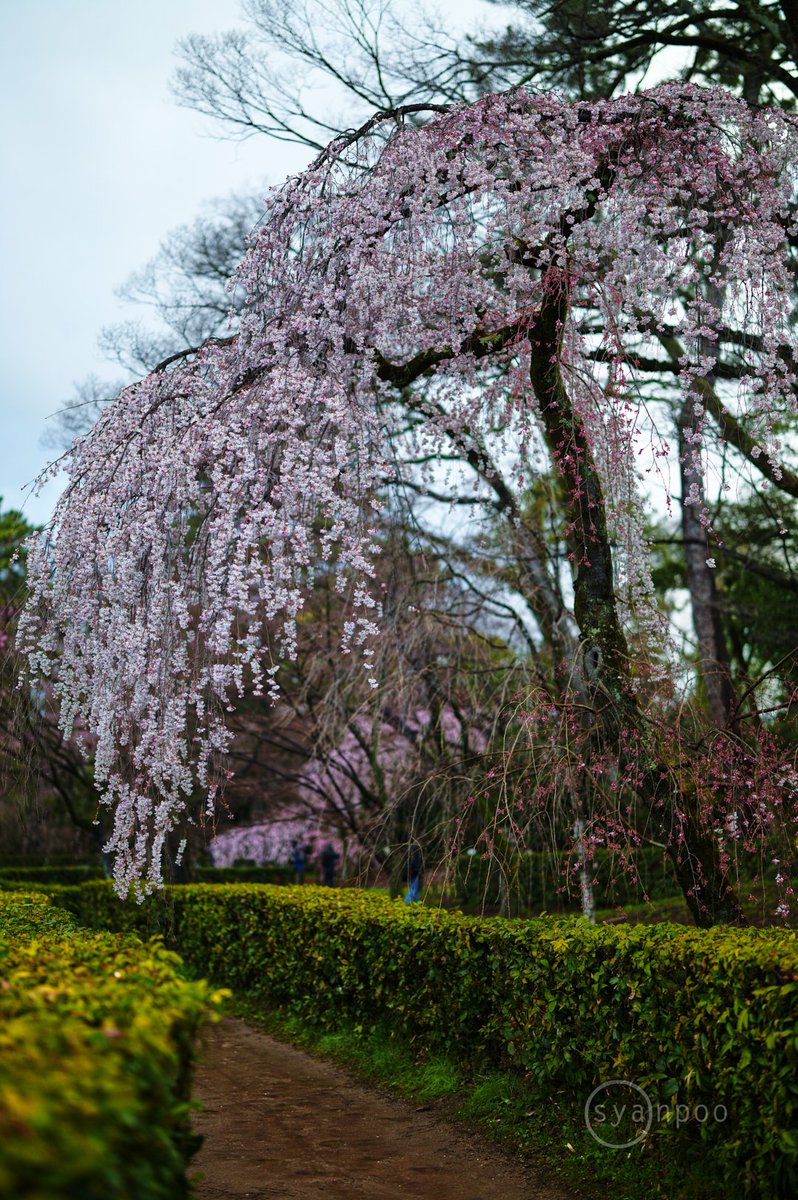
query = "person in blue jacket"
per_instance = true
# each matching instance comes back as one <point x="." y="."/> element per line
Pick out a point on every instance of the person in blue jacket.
<point x="415" y="872"/>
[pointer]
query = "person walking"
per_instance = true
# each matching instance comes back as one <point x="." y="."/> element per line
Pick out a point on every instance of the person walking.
<point x="298" y="861"/>
<point x="329" y="861"/>
<point x="415" y="871"/>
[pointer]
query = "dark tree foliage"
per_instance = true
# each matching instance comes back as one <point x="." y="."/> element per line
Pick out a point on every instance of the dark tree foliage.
<point x="592" y="48"/>
<point x="45" y="783"/>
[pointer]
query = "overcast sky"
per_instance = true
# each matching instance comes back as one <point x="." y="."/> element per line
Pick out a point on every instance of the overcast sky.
<point x="98" y="164"/>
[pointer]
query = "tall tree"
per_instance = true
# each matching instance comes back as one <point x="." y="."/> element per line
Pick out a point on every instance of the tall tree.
<point x="264" y="78"/>
<point x="373" y="57"/>
<point x="597" y="49"/>
<point x="464" y="263"/>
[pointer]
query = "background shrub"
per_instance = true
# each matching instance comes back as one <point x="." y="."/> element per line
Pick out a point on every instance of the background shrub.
<point x="50" y="874"/>
<point x="270" y="873"/>
<point x="45" y="876"/>
<point x="537" y="882"/>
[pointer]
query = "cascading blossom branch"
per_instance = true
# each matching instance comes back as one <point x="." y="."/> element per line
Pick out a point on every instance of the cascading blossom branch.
<point x="203" y="500"/>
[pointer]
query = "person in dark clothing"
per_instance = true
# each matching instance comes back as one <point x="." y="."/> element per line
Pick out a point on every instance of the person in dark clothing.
<point x="329" y="861"/>
<point x="298" y="861"/>
<point x="415" y="872"/>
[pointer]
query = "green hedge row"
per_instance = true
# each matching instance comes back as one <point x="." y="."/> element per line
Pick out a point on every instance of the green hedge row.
<point x="96" y="1037"/>
<point x="270" y="873"/>
<point x="46" y="875"/>
<point x="35" y="860"/>
<point x="694" y="1017"/>
<point x="69" y="874"/>
<point x="538" y="881"/>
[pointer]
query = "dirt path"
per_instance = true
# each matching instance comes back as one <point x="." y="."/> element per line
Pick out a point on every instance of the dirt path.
<point x="282" y="1125"/>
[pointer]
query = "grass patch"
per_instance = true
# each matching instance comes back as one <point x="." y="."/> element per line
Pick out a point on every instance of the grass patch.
<point x="374" y="1054"/>
<point x="547" y="1131"/>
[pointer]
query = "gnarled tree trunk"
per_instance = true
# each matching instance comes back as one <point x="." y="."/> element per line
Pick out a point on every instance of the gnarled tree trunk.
<point x="605" y="654"/>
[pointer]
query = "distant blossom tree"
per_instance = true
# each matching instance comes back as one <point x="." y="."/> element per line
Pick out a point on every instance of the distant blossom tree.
<point x="273" y="841"/>
<point x="332" y="793"/>
<point x="509" y="262"/>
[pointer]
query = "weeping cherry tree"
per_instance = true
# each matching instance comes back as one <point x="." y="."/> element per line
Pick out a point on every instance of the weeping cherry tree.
<point x="502" y="264"/>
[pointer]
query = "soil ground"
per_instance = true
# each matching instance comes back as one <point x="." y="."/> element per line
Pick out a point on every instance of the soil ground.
<point x="282" y="1125"/>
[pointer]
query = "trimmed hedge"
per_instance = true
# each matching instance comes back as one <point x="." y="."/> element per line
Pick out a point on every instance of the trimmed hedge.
<point x="693" y="1016"/>
<point x="536" y="881"/>
<point x="36" y="860"/>
<point x="70" y="874"/>
<point x="96" y="1037"/>
<point x="47" y="875"/>
<point x="270" y="873"/>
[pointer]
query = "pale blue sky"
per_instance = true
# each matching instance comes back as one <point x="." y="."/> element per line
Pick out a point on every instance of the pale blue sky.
<point x="98" y="164"/>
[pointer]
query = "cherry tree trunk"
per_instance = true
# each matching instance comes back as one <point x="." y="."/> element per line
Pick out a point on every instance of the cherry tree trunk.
<point x="713" y="656"/>
<point x="605" y="655"/>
